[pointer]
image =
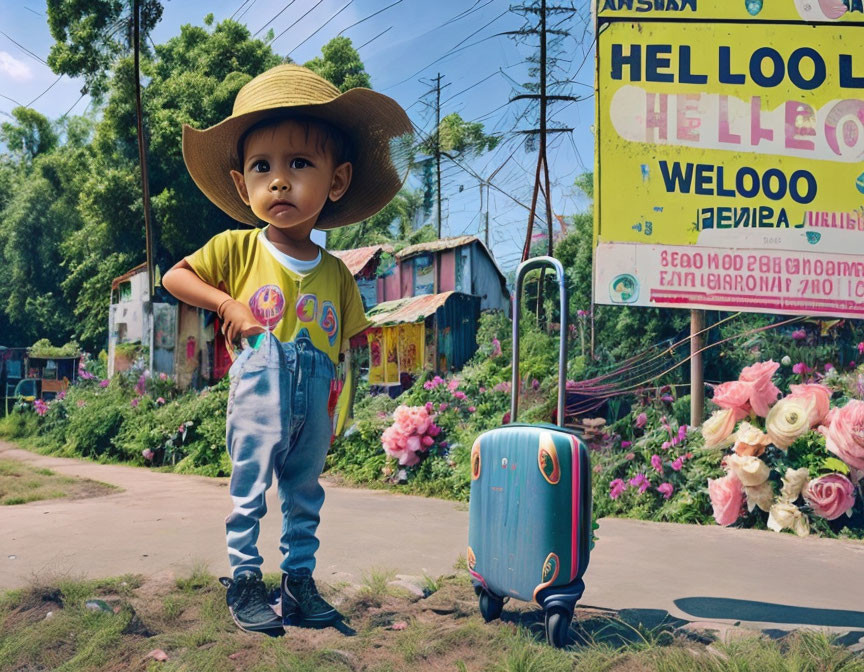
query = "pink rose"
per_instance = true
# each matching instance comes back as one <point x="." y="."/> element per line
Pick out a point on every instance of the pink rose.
<point x="734" y="396"/>
<point x="657" y="463"/>
<point x="640" y="481"/>
<point x="678" y="464"/>
<point x="830" y="496"/>
<point x="764" y="392"/>
<point x="666" y="489"/>
<point x="626" y="444"/>
<point x="844" y="435"/>
<point x="641" y="420"/>
<point x="427" y="441"/>
<point x="727" y="498"/>
<point x="817" y="395"/>
<point x="617" y="488"/>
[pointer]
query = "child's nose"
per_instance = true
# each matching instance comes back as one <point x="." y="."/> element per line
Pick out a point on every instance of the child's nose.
<point x="278" y="185"/>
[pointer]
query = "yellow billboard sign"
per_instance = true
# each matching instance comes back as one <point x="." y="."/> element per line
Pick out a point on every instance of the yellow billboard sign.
<point x="718" y="139"/>
<point x="811" y="11"/>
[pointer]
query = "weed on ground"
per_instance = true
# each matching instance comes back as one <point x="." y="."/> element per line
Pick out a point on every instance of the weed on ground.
<point x="20" y="483"/>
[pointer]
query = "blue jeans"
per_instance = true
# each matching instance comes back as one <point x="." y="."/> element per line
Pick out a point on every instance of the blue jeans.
<point x="277" y="420"/>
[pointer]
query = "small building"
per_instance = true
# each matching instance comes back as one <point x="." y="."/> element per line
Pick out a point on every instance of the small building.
<point x="461" y="264"/>
<point x="415" y="334"/>
<point x="187" y="342"/>
<point x="368" y="265"/>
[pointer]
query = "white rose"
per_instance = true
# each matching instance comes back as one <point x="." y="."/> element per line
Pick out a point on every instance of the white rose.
<point x="718" y="428"/>
<point x="786" y="516"/>
<point x="761" y="496"/>
<point x="751" y="471"/>
<point x="787" y="420"/>
<point x="794" y="482"/>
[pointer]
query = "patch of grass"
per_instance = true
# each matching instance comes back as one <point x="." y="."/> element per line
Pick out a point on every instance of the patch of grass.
<point x="376" y="582"/>
<point x="21" y="483"/>
<point x="199" y="578"/>
<point x="430" y="586"/>
<point x="461" y="563"/>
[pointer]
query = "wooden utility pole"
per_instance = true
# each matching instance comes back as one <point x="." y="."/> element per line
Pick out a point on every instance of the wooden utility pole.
<point x="145" y="180"/>
<point x="697" y="373"/>
<point x="438" y="148"/>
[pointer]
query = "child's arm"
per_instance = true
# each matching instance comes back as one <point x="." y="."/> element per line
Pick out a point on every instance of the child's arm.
<point x="185" y="284"/>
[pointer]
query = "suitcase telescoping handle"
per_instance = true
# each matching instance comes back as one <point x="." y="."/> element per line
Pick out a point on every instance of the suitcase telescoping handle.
<point x="524" y="267"/>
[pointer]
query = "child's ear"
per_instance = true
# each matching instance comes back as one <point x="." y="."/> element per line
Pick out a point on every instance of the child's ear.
<point x="341" y="181"/>
<point x="240" y="183"/>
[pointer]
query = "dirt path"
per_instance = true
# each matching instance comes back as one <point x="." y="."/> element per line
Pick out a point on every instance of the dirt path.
<point x="168" y="521"/>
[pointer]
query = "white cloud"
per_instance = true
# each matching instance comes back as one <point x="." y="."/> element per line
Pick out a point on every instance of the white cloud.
<point x="16" y="69"/>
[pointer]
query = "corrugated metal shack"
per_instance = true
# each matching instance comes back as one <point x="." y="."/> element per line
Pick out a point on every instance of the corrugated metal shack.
<point x="431" y="332"/>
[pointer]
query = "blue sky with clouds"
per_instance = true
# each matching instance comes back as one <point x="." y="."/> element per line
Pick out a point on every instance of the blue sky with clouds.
<point x="479" y="81"/>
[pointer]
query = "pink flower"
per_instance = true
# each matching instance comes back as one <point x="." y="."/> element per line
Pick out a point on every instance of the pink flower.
<point x="666" y="445"/>
<point x="433" y="430"/>
<point x="678" y="464"/>
<point x="641" y="420"/>
<point x="427" y="441"/>
<point x="147" y="454"/>
<point x="160" y="401"/>
<point x="665" y="489"/>
<point x="626" y="444"/>
<point x="830" y="496"/>
<point x="727" y="498"/>
<point x="430" y="407"/>
<point x="163" y="376"/>
<point x="41" y="407"/>
<point x="861" y="348"/>
<point x="617" y="488"/>
<point x="630" y="456"/>
<point x="734" y="396"/>
<point x="505" y="420"/>
<point x="799" y="334"/>
<point x="764" y="392"/>
<point x="482" y="389"/>
<point x="667" y="398"/>
<point x="829" y="367"/>
<point x="453" y="385"/>
<point x="801" y="369"/>
<point x="657" y="463"/>
<point x="471" y="409"/>
<point x="61" y="395"/>
<point x="459" y="394"/>
<point x="844" y="433"/>
<point x="640" y="481"/>
<point x="134" y="402"/>
<point x="443" y="406"/>
<point x="682" y="432"/>
<point x="816" y="397"/>
<point x="104" y="383"/>
<point x="535" y="384"/>
<point x="496" y="347"/>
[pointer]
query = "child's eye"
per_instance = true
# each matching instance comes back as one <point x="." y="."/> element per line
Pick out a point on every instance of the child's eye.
<point x="299" y="164"/>
<point x="261" y="166"/>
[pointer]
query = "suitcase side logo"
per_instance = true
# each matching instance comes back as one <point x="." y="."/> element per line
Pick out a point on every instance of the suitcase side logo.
<point x="475" y="460"/>
<point x="547" y="459"/>
<point x="551" y="567"/>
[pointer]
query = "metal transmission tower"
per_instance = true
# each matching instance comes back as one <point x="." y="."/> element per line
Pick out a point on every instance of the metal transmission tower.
<point x="435" y="89"/>
<point x="549" y="87"/>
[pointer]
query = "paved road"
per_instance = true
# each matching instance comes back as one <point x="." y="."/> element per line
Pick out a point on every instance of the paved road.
<point x="169" y="521"/>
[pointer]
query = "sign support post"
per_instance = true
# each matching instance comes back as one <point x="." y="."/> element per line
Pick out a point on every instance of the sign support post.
<point x="697" y="372"/>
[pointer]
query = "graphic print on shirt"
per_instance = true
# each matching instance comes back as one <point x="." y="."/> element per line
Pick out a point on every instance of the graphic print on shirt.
<point x="307" y="307"/>
<point x="329" y="322"/>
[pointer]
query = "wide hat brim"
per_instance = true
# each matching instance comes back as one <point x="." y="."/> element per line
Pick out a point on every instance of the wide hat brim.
<point x="379" y="130"/>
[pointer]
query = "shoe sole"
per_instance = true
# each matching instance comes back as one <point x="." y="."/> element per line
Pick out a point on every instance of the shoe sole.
<point x="273" y="628"/>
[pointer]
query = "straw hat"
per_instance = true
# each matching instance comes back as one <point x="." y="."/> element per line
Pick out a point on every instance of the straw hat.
<point x="378" y="127"/>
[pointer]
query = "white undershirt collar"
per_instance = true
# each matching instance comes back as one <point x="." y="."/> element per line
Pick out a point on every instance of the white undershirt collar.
<point x="298" y="266"/>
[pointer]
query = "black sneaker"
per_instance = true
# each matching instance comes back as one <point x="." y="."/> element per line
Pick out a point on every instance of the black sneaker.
<point x="247" y="602"/>
<point x="300" y="600"/>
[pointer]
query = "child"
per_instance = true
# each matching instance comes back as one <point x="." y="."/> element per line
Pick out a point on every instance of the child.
<point x="295" y="155"/>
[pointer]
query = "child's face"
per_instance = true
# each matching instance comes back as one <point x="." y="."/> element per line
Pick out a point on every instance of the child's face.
<point x="287" y="177"/>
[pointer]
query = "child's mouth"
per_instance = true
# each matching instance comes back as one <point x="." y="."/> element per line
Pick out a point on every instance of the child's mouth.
<point x="281" y="206"/>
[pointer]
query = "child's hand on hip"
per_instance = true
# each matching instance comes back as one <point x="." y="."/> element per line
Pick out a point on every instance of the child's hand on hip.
<point x="238" y="321"/>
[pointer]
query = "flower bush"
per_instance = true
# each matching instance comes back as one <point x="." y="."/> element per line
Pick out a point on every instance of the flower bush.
<point x="794" y="464"/>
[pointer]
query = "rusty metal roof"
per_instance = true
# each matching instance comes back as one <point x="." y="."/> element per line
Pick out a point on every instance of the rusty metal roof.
<point x="357" y="259"/>
<point x="435" y="246"/>
<point x="411" y="309"/>
<point x="140" y="268"/>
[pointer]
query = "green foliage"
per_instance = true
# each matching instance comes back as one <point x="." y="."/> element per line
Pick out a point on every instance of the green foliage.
<point x="43" y="348"/>
<point x="31" y="136"/>
<point x="340" y="64"/>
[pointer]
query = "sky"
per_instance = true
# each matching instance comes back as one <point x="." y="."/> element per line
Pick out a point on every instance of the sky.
<point x="402" y="46"/>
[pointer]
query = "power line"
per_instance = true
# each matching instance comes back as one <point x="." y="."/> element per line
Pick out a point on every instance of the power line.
<point x="243" y="13"/>
<point x="45" y="91"/>
<point x="357" y="23"/>
<point x="278" y="14"/>
<point x="308" y="11"/>
<point x="245" y="2"/>
<point x="344" y="7"/>
<point x="33" y="10"/>
<point x="21" y="46"/>
<point x="374" y="38"/>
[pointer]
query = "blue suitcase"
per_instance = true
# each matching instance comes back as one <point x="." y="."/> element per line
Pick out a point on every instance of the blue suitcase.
<point x="530" y="523"/>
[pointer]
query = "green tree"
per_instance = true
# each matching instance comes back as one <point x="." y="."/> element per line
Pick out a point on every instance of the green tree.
<point x="91" y="35"/>
<point x="32" y="135"/>
<point x="398" y="214"/>
<point x="340" y="64"/>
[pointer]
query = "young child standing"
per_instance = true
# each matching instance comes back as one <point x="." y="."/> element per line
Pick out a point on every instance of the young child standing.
<point x="295" y="154"/>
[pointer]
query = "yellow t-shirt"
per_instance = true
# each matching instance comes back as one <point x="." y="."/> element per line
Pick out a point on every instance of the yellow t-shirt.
<point x="325" y="301"/>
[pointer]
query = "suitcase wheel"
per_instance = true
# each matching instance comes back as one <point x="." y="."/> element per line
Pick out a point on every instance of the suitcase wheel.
<point x="490" y="606"/>
<point x="558" y="626"/>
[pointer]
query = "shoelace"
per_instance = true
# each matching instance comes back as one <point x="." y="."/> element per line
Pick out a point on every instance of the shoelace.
<point x="249" y="589"/>
<point x="308" y="592"/>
